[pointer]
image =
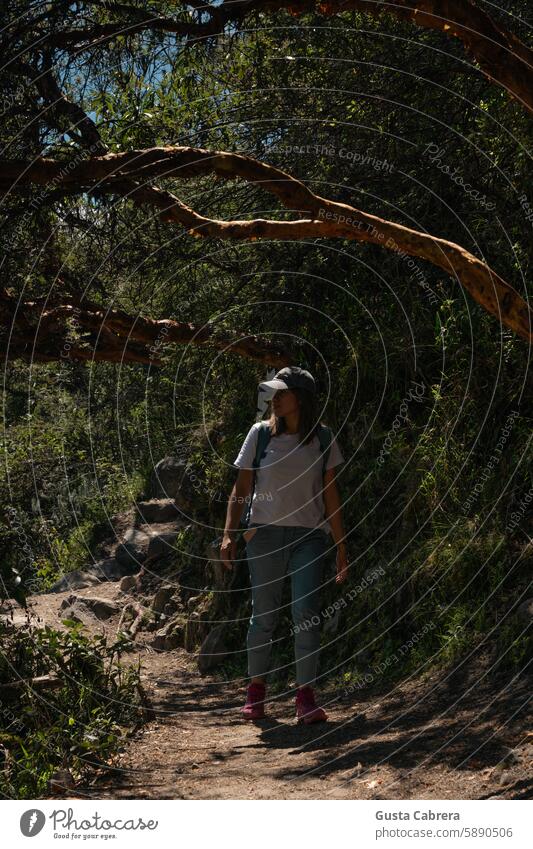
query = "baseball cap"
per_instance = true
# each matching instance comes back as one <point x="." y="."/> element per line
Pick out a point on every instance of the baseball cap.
<point x="290" y="377"/>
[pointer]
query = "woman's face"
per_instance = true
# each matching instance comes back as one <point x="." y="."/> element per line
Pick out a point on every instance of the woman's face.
<point x="285" y="402"/>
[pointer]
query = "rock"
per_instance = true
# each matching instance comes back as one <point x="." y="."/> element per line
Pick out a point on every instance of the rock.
<point x="75" y="581"/>
<point x="166" y="478"/>
<point x="60" y="781"/>
<point x="179" y="479"/>
<point x="74" y="615"/>
<point x="162" y="597"/>
<point x="173" y="606"/>
<point x="129" y="556"/>
<point x="220" y="576"/>
<point x="170" y="636"/>
<point x="157" y="510"/>
<point x="160" y="545"/>
<point x="213" y="650"/>
<point x="136" y="537"/>
<point x="128" y="583"/>
<point x="525" y="610"/>
<point x="132" y="552"/>
<point x="194" y="632"/>
<point x="102" y="608"/>
<point x="108" y="569"/>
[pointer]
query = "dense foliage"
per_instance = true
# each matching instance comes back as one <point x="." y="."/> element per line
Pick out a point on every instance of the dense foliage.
<point x="390" y="119"/>
<point x="78" y="723"/>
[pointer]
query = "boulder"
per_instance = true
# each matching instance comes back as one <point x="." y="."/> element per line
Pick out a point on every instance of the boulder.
<point x="213" y="650"/>
<point x="137" y="537"/>
<point x="104" y="570"/>
<point x="166" y="478"/>
<point x="161" y="545"/>
<point x="61" y="782"/>
<point x="101" y="608"/>
<point x="128" y="584"/>
<point x="162" y="597"/>
<point x="195" y="629"/>
<point x="76" y="614"/>
<point x="110" y="569"/>
<point x="157" y="510"/>
<point x="75" y="581"/>
<point x="170" y="636"/>
<point x="132" y="551"/>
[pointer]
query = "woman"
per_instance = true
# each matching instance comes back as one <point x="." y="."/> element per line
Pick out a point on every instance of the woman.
<point x="295" y="508"/>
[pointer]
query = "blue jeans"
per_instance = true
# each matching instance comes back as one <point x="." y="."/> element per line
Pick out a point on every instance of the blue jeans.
<point x="272" y="551"/>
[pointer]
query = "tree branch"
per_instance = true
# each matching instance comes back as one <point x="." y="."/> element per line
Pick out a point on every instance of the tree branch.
<point x="45" y="330"/>
<point x="119" y="173"/>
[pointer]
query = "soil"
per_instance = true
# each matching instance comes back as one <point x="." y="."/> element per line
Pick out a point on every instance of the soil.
<point x="445" y="736"/>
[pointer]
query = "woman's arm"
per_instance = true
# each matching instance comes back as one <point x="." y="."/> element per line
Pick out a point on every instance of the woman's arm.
<point x="333" y="513"/>
<point x="237" y="500"/>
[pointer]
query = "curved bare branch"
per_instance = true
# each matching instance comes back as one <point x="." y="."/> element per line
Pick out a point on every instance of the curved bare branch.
<point x="120" y="174"/>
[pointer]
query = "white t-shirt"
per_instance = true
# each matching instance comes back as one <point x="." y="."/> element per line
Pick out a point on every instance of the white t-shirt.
<point x="289" y="484"/>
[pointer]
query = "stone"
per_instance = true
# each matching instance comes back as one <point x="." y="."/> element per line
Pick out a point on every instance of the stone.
<point x="60" y="781"/>
<point x="108" y="569"/>
<point x="111" y="570"/>
<point x="213" y="650"/>
<point x="76" y="580"/>
<point x="220" y="576"/>
<point x="131" y="553"/>
<point x="129" y="556"/>
<point x="166" y="477"/>
<point x="157" y="510"/>
<point x="137" y="537"/>
<point x="193" y="632"/>
<point x="74" y="615"/>
<point x="179" y="479"/>
<point x="162" y="597"/>
<point x="128" y="583"/>
<point x="169" y="637"/>
<point x="161" y="545"/>
<point x="102" y="608"/>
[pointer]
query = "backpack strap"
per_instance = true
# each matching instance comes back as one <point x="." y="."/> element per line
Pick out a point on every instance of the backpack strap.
<point x="263" y="438"/>
<point x="325" y="437"/>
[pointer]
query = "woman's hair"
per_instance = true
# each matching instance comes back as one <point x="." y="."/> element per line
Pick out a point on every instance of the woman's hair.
<point x="308" y="417"/>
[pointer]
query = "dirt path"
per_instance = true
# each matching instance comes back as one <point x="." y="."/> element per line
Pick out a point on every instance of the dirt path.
<point x="460" y="737"/>
<point x="413" y="743"/>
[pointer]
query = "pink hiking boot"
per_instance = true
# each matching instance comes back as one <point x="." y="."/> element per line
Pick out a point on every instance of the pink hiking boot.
<point x="306" y="708"/>
<point x="254" y="708"/>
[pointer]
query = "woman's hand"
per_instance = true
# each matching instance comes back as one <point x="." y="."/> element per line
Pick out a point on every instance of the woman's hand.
<point x="228" y="551"/>
<point x="342" y="565"/>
